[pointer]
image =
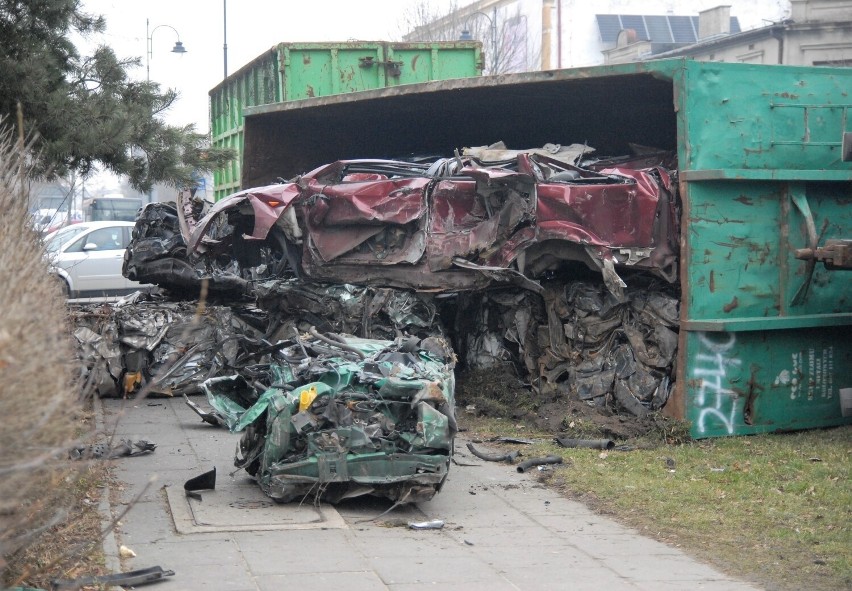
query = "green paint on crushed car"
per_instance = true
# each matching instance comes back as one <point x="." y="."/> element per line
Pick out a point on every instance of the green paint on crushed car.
<point x="346" y="417"/>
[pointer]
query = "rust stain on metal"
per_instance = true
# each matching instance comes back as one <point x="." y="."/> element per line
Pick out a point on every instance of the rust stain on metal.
<point x="310" y="91"/>
<point x="414" y="63"/>
<point x="763" y="252"/>
<point x="306" y="58"/>
<point x="712" y="282"/>
<point x="731" y="305"/>
<point x="754" y="389"/>
<point x="744" y="200"/>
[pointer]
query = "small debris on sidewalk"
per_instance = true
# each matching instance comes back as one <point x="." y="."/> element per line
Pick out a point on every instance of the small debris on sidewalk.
<point x="533" y="462"/>
<point x="206" y="481"/>
<point x="509" y="457"/>
<point x="126" y="552"/>
<point x="103" y="451"/>
<point x="132" y="578"/>
<point x="434" y="524"/>
<point x="212" y="417"/>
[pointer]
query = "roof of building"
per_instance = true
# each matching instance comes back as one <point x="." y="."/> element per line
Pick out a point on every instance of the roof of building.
<point x="668" y="31"/>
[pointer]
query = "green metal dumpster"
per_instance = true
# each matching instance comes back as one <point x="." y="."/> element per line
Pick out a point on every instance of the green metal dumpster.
<point x="765" y="335"/>
<point x="294" y="71"/>
<point x="766" y="196"/>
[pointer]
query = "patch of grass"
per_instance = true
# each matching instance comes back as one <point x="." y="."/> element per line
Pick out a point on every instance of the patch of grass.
<point x="775" y="509"/>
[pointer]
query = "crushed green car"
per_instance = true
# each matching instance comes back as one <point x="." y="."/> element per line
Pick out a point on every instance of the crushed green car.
<point x="345" y="417"/>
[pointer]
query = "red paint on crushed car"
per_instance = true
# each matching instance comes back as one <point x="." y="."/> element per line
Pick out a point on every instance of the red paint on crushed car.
<point x="401" y="224"/>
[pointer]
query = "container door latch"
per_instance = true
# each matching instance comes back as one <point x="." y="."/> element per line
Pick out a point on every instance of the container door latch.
<point x="835" y="255"/>
<point x="393" y="68"/>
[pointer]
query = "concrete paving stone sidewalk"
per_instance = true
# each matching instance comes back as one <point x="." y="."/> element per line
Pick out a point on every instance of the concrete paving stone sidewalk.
<point x="503" y="530"/>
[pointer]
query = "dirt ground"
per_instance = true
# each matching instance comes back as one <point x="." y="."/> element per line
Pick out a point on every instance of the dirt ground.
<point x="498" y="393"/>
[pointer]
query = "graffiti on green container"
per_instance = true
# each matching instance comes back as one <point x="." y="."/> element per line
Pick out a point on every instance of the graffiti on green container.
<point x="725" y="399"/>
<point x="714" y="401"/>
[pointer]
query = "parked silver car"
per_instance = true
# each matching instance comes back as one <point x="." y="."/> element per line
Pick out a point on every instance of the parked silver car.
<point x="87" y="258"/>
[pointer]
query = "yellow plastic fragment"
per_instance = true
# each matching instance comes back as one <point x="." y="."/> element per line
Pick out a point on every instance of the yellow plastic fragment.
<point x="307" y="397"/>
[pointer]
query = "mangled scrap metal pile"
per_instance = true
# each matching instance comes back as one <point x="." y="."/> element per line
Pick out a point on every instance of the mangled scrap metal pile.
<point x="580" y="341"/>
<point x="332" y="300"/>
<point x="456" y="224"/>
<point x="325" y="414"/>
<point x="345" y="417"/>
<point x="170" y="347"/>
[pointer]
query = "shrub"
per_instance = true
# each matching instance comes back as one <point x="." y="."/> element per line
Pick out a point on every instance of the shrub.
<point x="39" y="406"/>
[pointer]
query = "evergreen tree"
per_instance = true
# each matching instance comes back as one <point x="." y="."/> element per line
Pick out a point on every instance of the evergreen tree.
<point x="85" y="110"/>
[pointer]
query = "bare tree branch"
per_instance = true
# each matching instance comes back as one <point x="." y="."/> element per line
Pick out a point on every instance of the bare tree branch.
<point x="508" y="43"/>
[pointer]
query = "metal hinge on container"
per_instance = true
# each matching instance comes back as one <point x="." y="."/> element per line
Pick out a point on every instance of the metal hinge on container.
<point x="393" y="68"/>
<point x="836" y="254"/>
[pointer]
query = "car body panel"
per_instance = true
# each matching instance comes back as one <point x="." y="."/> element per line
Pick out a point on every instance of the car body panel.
<point x="472" y="223"/>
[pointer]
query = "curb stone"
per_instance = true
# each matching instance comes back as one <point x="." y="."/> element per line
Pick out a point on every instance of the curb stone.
<point x="110" y="544"/>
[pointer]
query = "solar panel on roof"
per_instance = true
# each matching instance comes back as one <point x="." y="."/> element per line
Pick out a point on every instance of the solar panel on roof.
<point x="682" y="29"/>
<point x="658" y="29"/>
<point x="696" y="26"/>
<point x="635" y="22"/>
<point x="609" y="25"/>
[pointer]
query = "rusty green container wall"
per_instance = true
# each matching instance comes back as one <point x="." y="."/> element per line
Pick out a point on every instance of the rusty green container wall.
<point x="321" y="70"/>
<point x="422" y="62"/>
<point x="294" y="71"/>
<point x="760" y="153"/>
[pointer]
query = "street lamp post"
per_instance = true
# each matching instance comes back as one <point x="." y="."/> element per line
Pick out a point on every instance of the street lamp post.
<point x="149" y="34"/>
<point x="149" y="47"/>
<point x="492" y="21"/>
<point x="225" y="35"/>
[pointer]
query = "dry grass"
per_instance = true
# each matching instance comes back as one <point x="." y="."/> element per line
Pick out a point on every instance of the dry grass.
<point x="775" y="509"/>
<point x="72" y="548"/>
<point x="39" y="404"/>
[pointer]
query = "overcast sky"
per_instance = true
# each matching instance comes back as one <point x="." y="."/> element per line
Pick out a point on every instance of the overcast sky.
<point x="254" y="26"/>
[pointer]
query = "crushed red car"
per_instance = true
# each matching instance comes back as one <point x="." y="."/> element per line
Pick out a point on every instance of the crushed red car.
<point x="453" y="224"/>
